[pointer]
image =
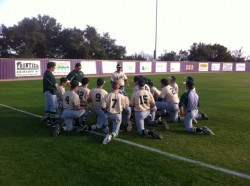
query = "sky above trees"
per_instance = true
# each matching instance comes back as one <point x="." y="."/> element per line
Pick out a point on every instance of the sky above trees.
<point x="132" y="22"/>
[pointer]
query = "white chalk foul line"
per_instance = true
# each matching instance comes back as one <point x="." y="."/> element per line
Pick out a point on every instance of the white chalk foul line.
<point x="234" y="173"/>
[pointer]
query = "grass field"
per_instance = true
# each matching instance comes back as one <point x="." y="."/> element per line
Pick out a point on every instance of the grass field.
<point x="29" y="155"/>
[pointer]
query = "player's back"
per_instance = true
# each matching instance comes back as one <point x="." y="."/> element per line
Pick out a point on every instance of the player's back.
<point x="70" y="100"/>
<point x="155" y="92"/>
<point x="84" y="94"/>
<point x="142" y="100"/>
<point x="96" y="96"/>
<point x="168" y="94"/>
<point x="59" y="93"/>
<point x="114" y="102"/>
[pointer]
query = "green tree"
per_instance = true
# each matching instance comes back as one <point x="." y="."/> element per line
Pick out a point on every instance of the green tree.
<point x="72" y="44"/>
<point x="112" y="50"/>
<point x="169" y="56"/>
<point x="204" y="52"/>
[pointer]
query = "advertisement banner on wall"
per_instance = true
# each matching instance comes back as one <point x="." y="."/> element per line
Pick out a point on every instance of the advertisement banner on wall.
<point x="145" y="67"/>
<point x="189" y="67"/>
<point x="227" y="67"/>
<point x="160" y="67"/>
<point x="62" y="68"/>
<point x="89" y="67"/>
<point x="27" y="68"/>
<point x="175" y="67"/>
<point x="241" y="67"/>
<point x="203" y="67"/>
<point x="128" y="67"/>
<point x="108" y="66"/>
<point x="215" y="67"/>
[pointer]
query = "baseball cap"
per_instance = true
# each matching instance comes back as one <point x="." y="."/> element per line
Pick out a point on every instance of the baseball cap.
<point x="190" y="84"/>
<point x="150" y="83"/>
<point x="172" y="78"/>
<point x="118" y="66"/>
<point x="78" y="65"/>
<point x="164" y="81"/>
<point x="100" y="81"/>
<point x="188" y="78"/>
<point x="74" y="84"/>
<point x="141" y="82"/>
<point x="85" y="81"/>
<point x="63" y="80"/>
<point x="136" y="78"/>
<point x="51" y="64"/>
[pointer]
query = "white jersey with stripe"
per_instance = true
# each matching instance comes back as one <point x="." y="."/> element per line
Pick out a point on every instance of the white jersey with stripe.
<point x="96" y="96"/>
<point x="168" y="94"/>
<point x="142" y="100"/>
<point x="71" y="100"/>
<point x="83" y="93"/>
<point x="119" y="77"/>
<point x="114" y="102"/>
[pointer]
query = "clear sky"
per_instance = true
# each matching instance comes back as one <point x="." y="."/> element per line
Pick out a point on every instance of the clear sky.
<point x="132" y="22"/>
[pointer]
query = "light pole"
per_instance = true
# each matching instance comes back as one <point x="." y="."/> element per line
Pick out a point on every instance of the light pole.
<point x="156" y="12"/>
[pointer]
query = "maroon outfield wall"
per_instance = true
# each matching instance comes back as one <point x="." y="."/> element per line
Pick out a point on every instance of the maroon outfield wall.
<point x="34" y="68"/>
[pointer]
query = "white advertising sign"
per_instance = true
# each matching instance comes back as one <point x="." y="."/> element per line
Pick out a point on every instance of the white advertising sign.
<point x="215" y="67"/>
<point x="27" y="68"/>
<point x="227" y="67"/>
<point x="88" y="67"/>
<point x="160" y="67"/>
<point x="145" y="67"/>
<point x="240" y="67"/>
<point x="175" y="67"/>
<point x="108" y="66"/>
<point x="203" y="67"/>
<point x="62" y="68"/>
<point x="128" y="67"/>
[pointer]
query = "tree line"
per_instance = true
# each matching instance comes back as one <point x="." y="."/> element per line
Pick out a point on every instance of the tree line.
<point x="43" y="37"/>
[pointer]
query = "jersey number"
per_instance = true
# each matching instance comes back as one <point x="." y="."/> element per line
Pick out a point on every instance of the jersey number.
<point x="98" y="97"/>
<point x="114" y="102"/>
<point x="173" y="91"/>
<point x="67" y="99"/>
<point x="80" y="94"/>
<point x="143" y="99"/>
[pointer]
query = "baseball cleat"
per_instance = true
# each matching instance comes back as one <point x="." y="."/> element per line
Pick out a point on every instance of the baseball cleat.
<point x="194" y="121"/>
<point x="57" y="130"/>
<point x="107" y="139"/>
<point x="129" y="127"/>
<point x="82" y="128"/>
<point x="204" y="116"/>
<point x="206" y="130"/>
<point x="156" y="134"/>
<point x="50" y="123"/>
<point x="164" y="124"/>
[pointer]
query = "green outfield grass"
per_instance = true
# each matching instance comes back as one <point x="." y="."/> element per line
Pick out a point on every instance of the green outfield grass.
<point x="30" y="155"/>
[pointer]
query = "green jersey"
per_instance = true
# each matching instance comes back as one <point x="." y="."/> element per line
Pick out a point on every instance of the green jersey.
<point x="49" y="82"/>
<point x="74" y="75"/>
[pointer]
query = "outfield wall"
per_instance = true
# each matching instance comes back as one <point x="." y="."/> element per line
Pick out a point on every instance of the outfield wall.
<point x="34" y="68"/>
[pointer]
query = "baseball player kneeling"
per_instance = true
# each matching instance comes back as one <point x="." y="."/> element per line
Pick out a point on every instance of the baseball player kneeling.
<point x="142" y="101"/>
<point x="72" y="109"/>
<point x="113" y="104"/>
<point x="189" y="108"/>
